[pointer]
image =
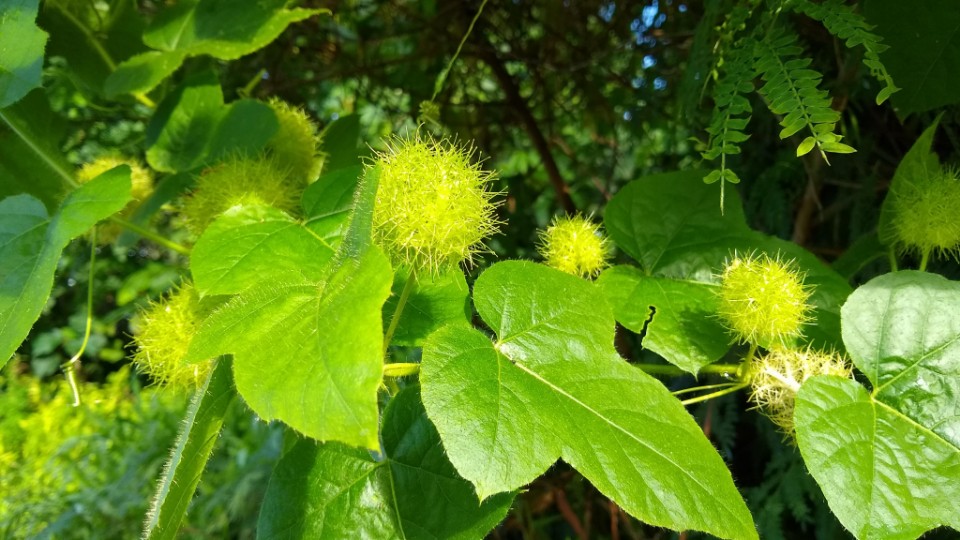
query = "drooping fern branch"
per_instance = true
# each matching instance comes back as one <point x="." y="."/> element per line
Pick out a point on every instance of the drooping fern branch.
<point x="730" y="116"/>
<point x="791" y="89"/>
<point x="845" y="23"/>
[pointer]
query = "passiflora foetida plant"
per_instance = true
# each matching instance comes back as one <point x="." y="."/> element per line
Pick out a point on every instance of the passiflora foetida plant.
<point x="422" y="382"/>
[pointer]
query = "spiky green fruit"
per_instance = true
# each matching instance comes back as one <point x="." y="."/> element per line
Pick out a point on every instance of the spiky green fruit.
<point x="776" y="377"/>
<point x="434" y="207"/>
<point x="763" y="300"/>
<point x="574" y="245"/>
<point x="240" y="181"/>
<point x="163" y="335"/>
<point x="927" y="214"/>
<point x="296" y="143"/>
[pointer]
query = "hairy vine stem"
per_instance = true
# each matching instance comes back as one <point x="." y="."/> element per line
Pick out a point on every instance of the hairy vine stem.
<point x="401" y="303"/>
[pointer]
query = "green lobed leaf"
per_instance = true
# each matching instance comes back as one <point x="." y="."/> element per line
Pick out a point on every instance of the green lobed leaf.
<point x="321" y="375"/>
<point x="434" y="302"/>
<point x="412" y="492"/>
<point x="30" y="157"/>
<point x="184" y="123"/>
<point x="248" y="246"/>
<point x="141" y="72"/>
<point x="31" y="242"/>
<point x="223" y="29"/>
<point x="552" y="386"/>
<point x="327" y="202"/>
<point x="924" y="50"/>
<point x="889" y="461"/>
<point x="671" y="225"/>
<point x="885" y="476"/>
<point x="903" y="332"/>
<point x="190" y="454"/>
<point x="21" y="49"/>
<point x="244" y="127"/>
<point x="919" y="163"/>
<point x="679" y="317"/>
<point x="341" y="143"/>
<point x="91" y="40"/>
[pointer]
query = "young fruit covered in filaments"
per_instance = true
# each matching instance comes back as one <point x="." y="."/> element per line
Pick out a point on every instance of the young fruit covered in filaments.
<point x="575" y="245"/>
<point x="163" y="335"/>
<point x="296" y="143"/>
<point x="242" y="181"/>
<point x="776" y="377"/>
<point x="926" y="214"/>
<point x="434" y="207"/>
<point x="763" y="300"/>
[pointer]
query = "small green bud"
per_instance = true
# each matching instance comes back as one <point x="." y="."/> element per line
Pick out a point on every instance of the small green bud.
<point x="296" y="143"/>
<point x="763" y="300"/>
<point x="163" y="335"/>
<point x="926" y="214"/>
<point x="574" y="245"/>
<point x="777" y="376"/>
<point x="240" y="181"/>
<point x="433" y="207"/>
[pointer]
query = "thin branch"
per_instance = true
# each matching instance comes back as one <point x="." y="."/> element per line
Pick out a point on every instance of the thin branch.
<point x="489" y="56"/>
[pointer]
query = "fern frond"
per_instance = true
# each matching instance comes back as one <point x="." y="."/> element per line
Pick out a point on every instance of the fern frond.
<point x="730" y="116"/>
<point x="792" y="89"/>
<point x="842" y="21"/>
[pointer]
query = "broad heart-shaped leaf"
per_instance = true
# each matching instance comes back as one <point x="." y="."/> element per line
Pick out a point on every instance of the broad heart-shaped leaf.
<point x="31" y="243"/>
<point x="327" y="202"/>
<point x="142" y="72"/>
<point x="308" y="352"/>
<point x="248" y="246"/>
<point x="224" y="29"/>
<point x="671" y="224"/>
<point x="30" y="157"/>
<point x="21" y="44"/>
<point x="684" y="327"/>
<point x="433" y="302"/>
<point x="340" y="142"/>
<point x="244" y="127"/>
<point x="919" y="163"/>
<point x="552" y="386"/>
<point x="412" y="492"/>
<point x="924" y="50"/>
<point x="183" y="124"/>
<point x="885" y="476"/>
<point x="889" y="462"/>
<point x="903" y="332"/>
<point x="193" y="127"/>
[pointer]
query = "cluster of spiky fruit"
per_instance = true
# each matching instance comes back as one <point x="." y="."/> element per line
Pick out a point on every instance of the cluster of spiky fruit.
<point x="575" y="245"/>
<point x="763" y="300"/>
<point x="163" y="334"/>
<point x="776" y="377"/>
<point x="433" y="207"/>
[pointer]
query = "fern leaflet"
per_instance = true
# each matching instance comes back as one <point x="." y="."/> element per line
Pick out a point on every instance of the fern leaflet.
<point x="791" y="89"/>
<point x="730" y="116"/>
<point x="848" y="25"/>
